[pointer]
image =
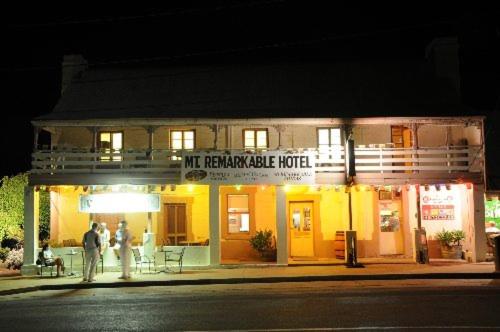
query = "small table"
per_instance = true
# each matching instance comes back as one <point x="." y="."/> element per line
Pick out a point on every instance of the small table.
<point x="71" y="254"/>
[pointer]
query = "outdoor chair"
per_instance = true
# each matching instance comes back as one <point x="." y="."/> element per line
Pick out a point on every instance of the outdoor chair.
<point x="101" y="260"/>
<point x="175" y="256"/>
<point x="43" y="264"/>
<point x="142" y="259"/>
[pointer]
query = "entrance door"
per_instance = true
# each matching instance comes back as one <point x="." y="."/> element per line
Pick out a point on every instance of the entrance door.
<point x="390" y="228"/>
<point x="301" y="229"/>
<point x="175" y="229"/>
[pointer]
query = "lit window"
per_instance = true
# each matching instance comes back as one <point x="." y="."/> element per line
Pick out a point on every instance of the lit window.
<point x="111" y="144"/>
<point x="182" y="140"/>
<point x="329" y="142"/>
<point x="255" y="139"/>
<point x="238" y="214"/>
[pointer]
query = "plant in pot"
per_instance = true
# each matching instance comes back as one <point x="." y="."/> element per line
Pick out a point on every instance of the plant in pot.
<point x="450" y="243"/>
<point x="264" y="242"/>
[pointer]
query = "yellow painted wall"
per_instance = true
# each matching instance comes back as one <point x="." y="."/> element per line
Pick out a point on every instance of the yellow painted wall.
<point x="334" y="216"/>
<point x="364" y="220"/>
<point x="68" y="223"/>
<point x="196" y="198"/>
<point x="65" y="218"/>
<point x="262" y="207"/>
<point x="136" y="223"/>
<point x="330" y="214"/>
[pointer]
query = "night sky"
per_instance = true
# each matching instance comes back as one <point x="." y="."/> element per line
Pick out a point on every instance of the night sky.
<point x="193" y="33"/>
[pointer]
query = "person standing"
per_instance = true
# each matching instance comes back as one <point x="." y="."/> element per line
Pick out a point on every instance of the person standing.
<point x="118" y="240"/>
<point x="105" y="237"/>
<point x="92" y="246"/>
<point x="125" y="246"/>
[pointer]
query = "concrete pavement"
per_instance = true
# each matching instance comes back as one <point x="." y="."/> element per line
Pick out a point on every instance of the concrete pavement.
<point x="439" y="269"/>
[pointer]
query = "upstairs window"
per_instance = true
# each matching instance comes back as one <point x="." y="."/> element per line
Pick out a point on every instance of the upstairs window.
<point x="255" y="139"/>
<point x="182" y="140"/>
<point x="111" y="143"/>
<point x="329" y="142"/>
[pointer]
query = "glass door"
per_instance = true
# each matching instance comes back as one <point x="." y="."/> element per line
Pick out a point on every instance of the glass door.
<point x="301" y="229"/>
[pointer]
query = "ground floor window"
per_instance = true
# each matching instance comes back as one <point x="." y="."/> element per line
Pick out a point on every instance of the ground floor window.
<point x="238" y="214"/>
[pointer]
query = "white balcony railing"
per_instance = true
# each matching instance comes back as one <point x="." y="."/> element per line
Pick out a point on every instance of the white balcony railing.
<point x="368" y="160"/>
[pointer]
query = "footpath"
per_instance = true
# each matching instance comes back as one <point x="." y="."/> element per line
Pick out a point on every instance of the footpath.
<point x="242" y="274"/>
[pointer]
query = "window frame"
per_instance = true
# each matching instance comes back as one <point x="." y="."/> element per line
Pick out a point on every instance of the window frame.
<point x="231" y="190"/>
<point x="329" y="136"/>
<point x="255" y="130"/>
<point x="183" y="131"/>
<point x="238" y="213"/>
<point x="100" y="148"/>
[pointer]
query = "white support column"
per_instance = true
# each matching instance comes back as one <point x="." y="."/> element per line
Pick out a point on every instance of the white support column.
<point x="479" y="234"/>
<point x="281" y="227"/>
<point x="214" y="231"/>
<point x="31" y="204"/>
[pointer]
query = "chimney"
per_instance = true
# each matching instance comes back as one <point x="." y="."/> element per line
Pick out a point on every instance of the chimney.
<point x="443" y="53"/>
<point x="73" y="66"/>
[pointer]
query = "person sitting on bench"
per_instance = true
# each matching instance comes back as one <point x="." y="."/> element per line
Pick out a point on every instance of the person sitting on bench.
<point x="51" y="259"/>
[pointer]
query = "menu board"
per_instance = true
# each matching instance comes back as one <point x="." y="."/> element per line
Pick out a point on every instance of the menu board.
<point x="437" y="205"/>
<point x="438" y="212"/>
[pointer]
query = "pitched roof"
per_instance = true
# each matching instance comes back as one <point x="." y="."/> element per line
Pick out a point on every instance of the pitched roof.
<point x="284" y="90"/>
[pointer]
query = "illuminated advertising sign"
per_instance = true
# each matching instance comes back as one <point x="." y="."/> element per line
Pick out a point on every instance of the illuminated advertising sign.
<point x="437" y="205"/>
<point x="267" y="167"/>
<point x="492" y="211"/>
<point x="119" y="203"/>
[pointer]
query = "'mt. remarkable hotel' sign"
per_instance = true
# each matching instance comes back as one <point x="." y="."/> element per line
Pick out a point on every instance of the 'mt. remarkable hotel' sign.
<point x="268" y="167"/>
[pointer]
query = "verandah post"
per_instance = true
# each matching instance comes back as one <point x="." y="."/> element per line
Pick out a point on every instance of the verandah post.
<point x="31" y="217"/>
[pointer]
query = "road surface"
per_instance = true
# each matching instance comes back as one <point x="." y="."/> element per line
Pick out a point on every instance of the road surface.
<point x="264" y="307"/>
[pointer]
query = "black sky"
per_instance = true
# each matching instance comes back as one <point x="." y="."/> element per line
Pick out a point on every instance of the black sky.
<point x="194" y="32"/>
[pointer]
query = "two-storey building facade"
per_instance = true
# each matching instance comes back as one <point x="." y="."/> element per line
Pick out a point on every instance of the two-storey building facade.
<point x="206" y="157"/>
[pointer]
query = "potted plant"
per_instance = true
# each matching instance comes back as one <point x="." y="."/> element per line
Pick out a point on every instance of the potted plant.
<point x="264" y="242"/>
<point x="450" y="243"/>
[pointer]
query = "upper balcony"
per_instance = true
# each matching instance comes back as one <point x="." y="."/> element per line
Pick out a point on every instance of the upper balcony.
<point x="374" y="165"/>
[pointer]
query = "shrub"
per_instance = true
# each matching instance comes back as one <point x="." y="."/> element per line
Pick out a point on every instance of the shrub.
<point x="12" y="208"/>
<point x="450" y="238"/>
<point x="262" y="241"/>
<point x="12" y="204"/>
<point x="3" y="254"/>
<point x="10" y="243"/>
<point x="15" y="259"/>
<point x="458" y="235"/>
